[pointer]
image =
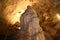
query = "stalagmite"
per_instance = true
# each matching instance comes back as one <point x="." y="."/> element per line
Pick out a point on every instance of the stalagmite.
<point x="30" y="28"/>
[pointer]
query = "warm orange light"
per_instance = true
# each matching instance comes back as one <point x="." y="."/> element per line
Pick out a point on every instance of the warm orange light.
<point x="16" y="17"/>
<point x="20" y="8"/>
<point x="58" y="16"/>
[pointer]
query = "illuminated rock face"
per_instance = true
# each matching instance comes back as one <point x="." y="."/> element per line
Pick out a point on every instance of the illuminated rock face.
<point x="30" y="28"/>
<point x="6" y="9"/>
<point x="10" y="11"/>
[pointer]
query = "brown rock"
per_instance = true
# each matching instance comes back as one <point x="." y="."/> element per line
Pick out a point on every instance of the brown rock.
<point x="30" y="28"/>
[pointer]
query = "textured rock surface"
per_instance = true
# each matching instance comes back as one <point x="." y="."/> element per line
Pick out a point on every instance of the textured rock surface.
<point x="30" y="28"/>
<point x="45" y="9"/>
<point x="10" y="12"/>
<point x="6" y="8"/>
<point x="48" y="10"/>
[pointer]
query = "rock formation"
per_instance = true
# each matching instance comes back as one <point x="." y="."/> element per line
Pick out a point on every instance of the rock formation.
<point x="30" y="28"/>
<point x="45" y="12"/>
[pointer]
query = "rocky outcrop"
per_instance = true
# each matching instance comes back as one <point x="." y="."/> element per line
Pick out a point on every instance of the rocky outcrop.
<point x="10" y="12"/>
<point x="47" y="11"/>
<point x="30" y="28"/>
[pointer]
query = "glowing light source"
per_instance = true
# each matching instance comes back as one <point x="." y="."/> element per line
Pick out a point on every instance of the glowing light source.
<point x="17" y="17"/>
<point x="58" y="16"/>
<point x="19" y="28"/>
